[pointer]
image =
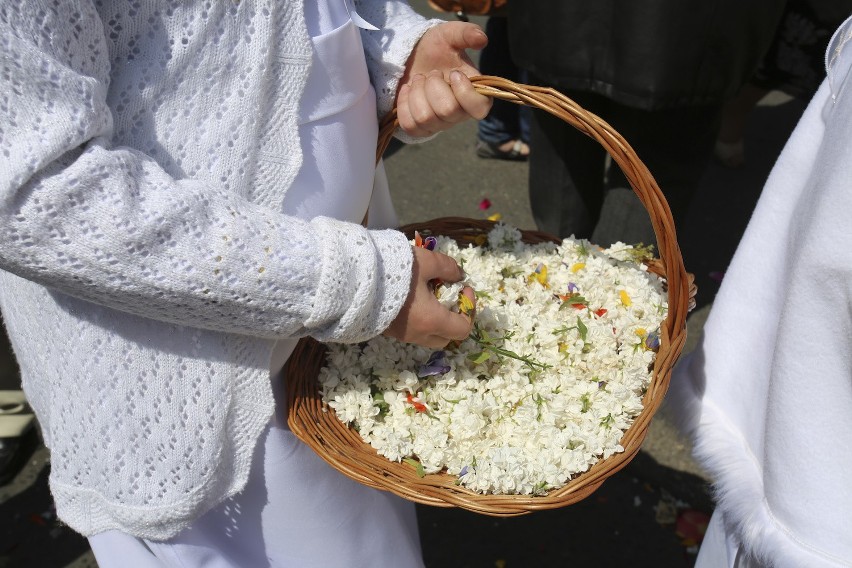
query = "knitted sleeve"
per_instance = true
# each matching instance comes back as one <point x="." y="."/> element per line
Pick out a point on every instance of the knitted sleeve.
<point x="388" y="49"/>
<point x="107" y="224"/>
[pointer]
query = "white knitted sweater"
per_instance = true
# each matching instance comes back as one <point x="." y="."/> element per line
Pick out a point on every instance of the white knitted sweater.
<point x="147" y="268"/>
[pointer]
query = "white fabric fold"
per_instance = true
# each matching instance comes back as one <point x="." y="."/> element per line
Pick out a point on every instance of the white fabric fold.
<point x="767" y="394"/>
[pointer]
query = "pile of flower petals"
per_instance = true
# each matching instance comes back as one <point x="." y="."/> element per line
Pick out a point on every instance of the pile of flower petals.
<point x="581" y="325"/>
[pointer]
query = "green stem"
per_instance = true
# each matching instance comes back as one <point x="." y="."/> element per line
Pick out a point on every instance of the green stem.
<point x="488" y="344"/>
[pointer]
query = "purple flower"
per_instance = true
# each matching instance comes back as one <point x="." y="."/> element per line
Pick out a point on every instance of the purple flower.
<point x="436" y="365"/>
<point x="429" y="243"/>
<point x="463" y="471"/>
<point x="652" y="341"/>
<point x="572" y="287"/>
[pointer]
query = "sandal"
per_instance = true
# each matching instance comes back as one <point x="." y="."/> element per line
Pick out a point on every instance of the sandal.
<point x="492" y="151"/>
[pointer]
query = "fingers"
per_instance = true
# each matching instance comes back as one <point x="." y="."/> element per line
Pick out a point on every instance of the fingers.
<point x="449" y="325"/>
<point x="473" y="104"/>
<point x="460" y="37"/>
<point x="414" y="108"/>
<point x="464" y="35"/>
<point x="428" y="104"/>
<point x="457" y="326"/>
<point x="422" y="319"/>
<point x="436" y="265"/>
<point x="438" y="321"/>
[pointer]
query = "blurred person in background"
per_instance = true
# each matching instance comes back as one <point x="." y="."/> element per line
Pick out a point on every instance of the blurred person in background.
<point x="659" y="73"/>
<point x="794" y="65"/>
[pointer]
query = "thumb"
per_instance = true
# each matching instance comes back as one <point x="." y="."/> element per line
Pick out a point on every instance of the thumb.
<point x="464" y="35"/>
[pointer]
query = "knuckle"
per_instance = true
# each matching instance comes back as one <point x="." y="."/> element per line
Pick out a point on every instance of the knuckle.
<point x="422" y="114"/>
<point x="446" y="108"/>
<point x="405" y="122"/>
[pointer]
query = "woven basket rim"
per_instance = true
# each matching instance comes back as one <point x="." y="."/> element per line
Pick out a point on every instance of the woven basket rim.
<point x="342" y="447"/>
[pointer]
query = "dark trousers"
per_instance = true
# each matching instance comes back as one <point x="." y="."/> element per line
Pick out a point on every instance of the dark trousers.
<point x="575" y="190"/>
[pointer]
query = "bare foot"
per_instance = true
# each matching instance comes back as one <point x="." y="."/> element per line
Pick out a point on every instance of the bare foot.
<point x="519" y="146"/>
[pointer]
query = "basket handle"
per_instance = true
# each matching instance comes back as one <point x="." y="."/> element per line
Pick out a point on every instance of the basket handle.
<point x="641" y="180"/>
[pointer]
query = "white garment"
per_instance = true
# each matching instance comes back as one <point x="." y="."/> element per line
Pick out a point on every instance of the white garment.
<point x="296" y="510"/>
<point x="147" y="266"/>
<point x="767" y="394"/>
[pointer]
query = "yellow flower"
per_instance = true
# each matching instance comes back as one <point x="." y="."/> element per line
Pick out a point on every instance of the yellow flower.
<point x="495" y="217"/>
<point x="578" y="267"/>
<point x="539" y="275"/>
<point x="625" y="297"/>
<point x="465" y="304"/>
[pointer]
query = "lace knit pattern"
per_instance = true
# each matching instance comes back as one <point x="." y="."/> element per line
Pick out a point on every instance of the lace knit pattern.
<point x="147" y="268"/>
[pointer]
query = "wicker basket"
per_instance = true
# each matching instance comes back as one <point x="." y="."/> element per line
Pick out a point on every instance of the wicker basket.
<point x="342" y="447"/>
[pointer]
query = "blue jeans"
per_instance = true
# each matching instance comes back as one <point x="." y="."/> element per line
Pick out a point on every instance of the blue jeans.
<point x="506" y="121"/>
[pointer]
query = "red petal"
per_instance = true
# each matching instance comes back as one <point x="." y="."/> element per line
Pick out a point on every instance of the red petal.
<point x="691" y="525"/>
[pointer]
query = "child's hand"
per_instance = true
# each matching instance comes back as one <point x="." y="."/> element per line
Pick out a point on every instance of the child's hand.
<point x="422" y="319"/>
<point x="435" y="92"/>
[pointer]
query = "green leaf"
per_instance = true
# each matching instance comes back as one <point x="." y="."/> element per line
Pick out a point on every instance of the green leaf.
<point x="642" y="252"/>
<point x="418" y="467"/>
<point x="379" y="401"/>
<point x="454" y="400"/>
<point x="507" y="272"/>
<point x="479" y="358"/>
<point x="582" y="329"/>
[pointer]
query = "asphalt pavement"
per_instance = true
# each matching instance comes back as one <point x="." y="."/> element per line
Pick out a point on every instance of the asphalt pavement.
<point x="647" y="515"/>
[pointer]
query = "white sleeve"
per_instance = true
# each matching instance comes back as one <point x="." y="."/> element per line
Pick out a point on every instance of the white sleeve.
<point x="107" y="224"/>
